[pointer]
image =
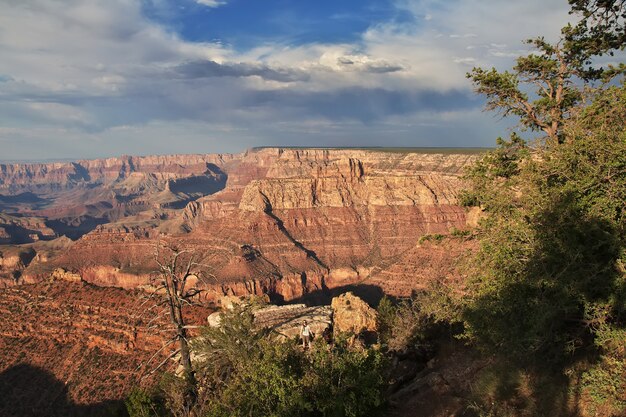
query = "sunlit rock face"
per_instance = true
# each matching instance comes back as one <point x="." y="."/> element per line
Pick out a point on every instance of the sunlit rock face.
<point x="352" y="315"/>
<point x="295" y="224"/>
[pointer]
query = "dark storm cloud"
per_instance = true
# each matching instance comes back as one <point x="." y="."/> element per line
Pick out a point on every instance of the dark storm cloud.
<point x="209" y="69"/>
<point x="373" y="67"/>
<point x="364" y="104"/>
<point x="96" y="77"/>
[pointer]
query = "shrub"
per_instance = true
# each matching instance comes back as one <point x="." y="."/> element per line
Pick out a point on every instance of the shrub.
<point x="385" y="319"/>
<point x="345" y="382"/>
<point x="140" y="403"/>
<point x="247" y="373"/>
<point x="432" y="238"/>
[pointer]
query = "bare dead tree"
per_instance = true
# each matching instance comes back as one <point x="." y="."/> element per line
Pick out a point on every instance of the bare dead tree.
<point x="175" y="284"/>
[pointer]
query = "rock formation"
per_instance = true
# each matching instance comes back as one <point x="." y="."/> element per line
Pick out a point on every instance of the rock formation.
<point x="347" y="313"/>
<point x="286" y="321"/>
<point x="353" y="315"/>
<point x="292" y="224"/>
<point x="61" y="274"/>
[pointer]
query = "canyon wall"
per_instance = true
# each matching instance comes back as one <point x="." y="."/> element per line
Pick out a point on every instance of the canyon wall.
<point x="77" y="245"/>
<point x="16" y="178"/>
<point x="292" y="223"/>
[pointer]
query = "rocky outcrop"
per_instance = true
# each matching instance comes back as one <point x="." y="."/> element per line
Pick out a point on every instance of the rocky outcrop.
<point x="346" y="314"/>
<point x="16" y="178"/>
<point x="353" y="315"/>
<point x="286" y="321"/>
<point x="20" y="229"/>
<point x="5" y="237"/>
<point x="61" y="274"/>
<point x="13" y="261"/>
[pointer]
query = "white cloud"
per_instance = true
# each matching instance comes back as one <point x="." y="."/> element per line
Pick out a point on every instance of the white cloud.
<point x="211" y="3"/>
<point x="101" y="71"/>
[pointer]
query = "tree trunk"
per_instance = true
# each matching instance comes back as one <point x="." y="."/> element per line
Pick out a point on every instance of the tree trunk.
<point x="190" y="394"/>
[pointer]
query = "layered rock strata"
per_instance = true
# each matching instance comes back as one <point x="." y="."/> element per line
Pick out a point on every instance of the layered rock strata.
<point x="293" y="224"/>
<point x="286" y="321"/>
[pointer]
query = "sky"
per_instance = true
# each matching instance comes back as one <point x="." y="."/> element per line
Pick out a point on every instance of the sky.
<point x="98" y="78"/>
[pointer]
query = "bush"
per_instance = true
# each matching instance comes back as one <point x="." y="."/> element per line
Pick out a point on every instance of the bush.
<point x="459" y="233"/>
<point x="267" y="384"/>
<point x="345" y="382"/>
<point x="385" y="319"/>
<point x="140" y="403"/>
<point x="245" y="372"/>
<point x="437" y="237"/>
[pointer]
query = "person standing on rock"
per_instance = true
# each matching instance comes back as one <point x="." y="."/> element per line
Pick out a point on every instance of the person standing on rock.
<point x="305" y="334"/>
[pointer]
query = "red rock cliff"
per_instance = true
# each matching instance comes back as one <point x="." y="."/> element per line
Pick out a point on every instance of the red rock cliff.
<point x="293" y="222"/>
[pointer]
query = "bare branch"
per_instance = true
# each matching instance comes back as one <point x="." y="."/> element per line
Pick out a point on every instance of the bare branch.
<point x="157" y="353"/>
<point x="176" y="352"/>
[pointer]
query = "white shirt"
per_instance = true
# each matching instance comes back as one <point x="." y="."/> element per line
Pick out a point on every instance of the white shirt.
<point x="306" y="331"/>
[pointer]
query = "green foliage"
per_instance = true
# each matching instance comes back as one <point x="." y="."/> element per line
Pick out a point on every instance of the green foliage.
<point x="140" y="403"/>
<point x="345" y="382"/>
<point x="548" y="283"/>
<point x="545" y="86"/>
<point x="459" y="233"/>
<point x="242" y="371"/>
<point x="437" y="237"/>
<point x="547" y="293"/>
<point x="604" y="387"/>
<point x="553" y="237"/>
<point x="173" y="389"/>
<point x="227" y="347"/>
<point x="601" y="30"/>
<point x="410" y="328"/>
<point x="603" y="384"/>
<point x="494" y="176"/>
<point x="549" y="72"/>
<point x="503" y="389"/>
<point x="415" y="324"/>
<point x="268" y="384"/>
<point x="385" y="319"/>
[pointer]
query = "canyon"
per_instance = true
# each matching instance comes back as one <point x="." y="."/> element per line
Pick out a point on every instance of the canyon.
<point x="295" y="225"/>
<point x="286" y="222"/>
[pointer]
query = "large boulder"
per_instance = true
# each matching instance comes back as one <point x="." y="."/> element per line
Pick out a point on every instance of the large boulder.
<point x="353" y="315"/>
<point x="61" y="274"/>
<point x="215" y="319"/>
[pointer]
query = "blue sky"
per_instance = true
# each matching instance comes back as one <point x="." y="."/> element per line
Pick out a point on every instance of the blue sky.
<point x="245" y="24"/>
<point x="96" y="78"/>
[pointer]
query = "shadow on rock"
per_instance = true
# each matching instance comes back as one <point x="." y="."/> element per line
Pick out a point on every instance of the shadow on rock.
<point x="371" y="294"/>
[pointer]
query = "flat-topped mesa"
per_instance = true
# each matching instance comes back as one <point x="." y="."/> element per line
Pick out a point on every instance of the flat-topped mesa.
<point x="390" y="190"/>
<point x="301" y="180"/>
<point x="452" y="163"/>
<point x="331" y="218"/>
